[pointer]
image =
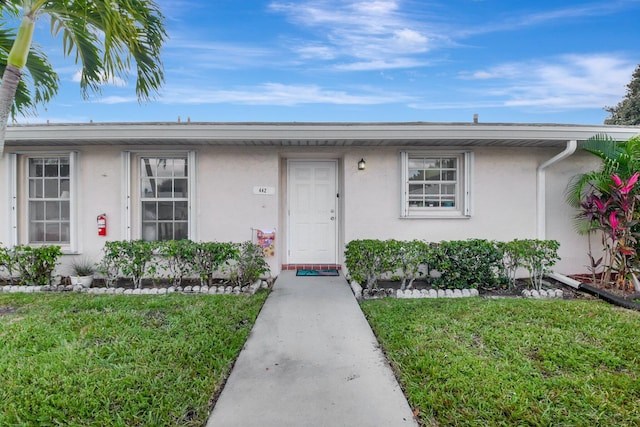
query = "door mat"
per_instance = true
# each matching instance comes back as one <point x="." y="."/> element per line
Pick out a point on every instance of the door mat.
<point x="317" y="273"/>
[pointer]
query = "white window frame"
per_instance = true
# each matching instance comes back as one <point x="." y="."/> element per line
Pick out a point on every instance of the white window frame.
<point x="18" y="166"/>
<point x="131" y="191"/>
<point x="463" y="192"/>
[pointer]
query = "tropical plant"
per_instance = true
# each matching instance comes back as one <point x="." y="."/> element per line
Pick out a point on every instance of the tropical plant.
<point x="104" y="36"/>
<point x="83" y="267"/>
<point x="606" y="202"/>
<point x="614" y="216"/>
<point x="618" y="158"/>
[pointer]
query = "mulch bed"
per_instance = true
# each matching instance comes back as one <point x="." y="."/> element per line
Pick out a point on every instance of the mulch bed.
<point x="497" y="292"/>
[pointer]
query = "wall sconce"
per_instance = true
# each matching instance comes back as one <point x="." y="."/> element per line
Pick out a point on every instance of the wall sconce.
<point x="362" y="165"/>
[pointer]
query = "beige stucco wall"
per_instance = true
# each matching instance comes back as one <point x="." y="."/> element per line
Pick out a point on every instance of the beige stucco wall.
<point x="226" y="209"/>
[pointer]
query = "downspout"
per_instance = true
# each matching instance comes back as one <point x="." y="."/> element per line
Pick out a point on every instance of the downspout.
<point x="541" y="190"/>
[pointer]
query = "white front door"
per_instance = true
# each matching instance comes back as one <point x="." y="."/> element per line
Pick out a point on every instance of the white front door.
<point x="312" y="209"/>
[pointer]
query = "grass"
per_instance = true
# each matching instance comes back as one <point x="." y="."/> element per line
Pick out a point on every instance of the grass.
<point x="69" y="359"/>
<point x="513" y="362"/>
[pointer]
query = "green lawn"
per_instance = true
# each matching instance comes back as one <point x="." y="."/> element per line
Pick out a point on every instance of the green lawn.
<point x="69" y="359"/>
<point x="476" y="362"/>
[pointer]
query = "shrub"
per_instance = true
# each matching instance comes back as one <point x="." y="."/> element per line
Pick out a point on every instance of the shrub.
<point x="130" y="258"/>
<point x="538" y="258"/>
<point x="513" y="254"/>
<point x="411" y="258"/>
<point x="368" y="260"/>
<point x="249" y="264"/>
<point x="8" y="263"/>
<point x="474" y="263"/>
<point x="36" y="264"/>
<point x="178" y="258"/>
<point x="210" y="257"/>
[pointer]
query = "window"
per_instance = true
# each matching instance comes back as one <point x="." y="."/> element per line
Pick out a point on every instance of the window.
<point x="164" y="198"/>
<point x="49" y="200"/>
<point x="42" y="199"/>
<point x="436" y="184"/>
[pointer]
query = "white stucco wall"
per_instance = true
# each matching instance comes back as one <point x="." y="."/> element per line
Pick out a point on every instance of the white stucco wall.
<point x="502" y="193"/>
<point x="226" y="209"/>
<point x="559" y="220"/>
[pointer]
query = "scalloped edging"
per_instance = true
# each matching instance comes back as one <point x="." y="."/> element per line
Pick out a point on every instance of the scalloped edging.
<point x="195" y="290"/>
<point x="361" y="293"/>
<point x="543" y="294"/>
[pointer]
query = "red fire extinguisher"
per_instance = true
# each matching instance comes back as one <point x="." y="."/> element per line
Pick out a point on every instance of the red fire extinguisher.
<point x="102" y="225"/>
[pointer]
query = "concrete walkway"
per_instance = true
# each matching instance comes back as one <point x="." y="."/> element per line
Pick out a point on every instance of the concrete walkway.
<point x="311" y="360"/>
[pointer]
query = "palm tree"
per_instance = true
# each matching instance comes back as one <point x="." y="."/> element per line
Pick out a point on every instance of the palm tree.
<point x="39" y="83"/>
<point x="104" y="36"/>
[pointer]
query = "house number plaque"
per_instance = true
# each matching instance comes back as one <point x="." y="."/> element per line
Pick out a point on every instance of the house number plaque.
<point x="265" y="191"/>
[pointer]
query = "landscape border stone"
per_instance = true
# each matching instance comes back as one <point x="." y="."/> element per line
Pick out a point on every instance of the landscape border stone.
<point x="191" y="290"/>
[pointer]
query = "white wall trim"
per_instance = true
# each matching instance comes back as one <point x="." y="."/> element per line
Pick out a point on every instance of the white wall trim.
<point x="12" y="182"/>
<point x="126" y="196"/>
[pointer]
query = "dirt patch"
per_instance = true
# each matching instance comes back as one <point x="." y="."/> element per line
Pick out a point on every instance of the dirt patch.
<point x="7" y="309"/>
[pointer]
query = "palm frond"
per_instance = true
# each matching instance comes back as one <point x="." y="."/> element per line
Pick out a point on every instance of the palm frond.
<point x="603" y="146"/>
<point x="39" y="82"/>
<point x="107" y="37"/>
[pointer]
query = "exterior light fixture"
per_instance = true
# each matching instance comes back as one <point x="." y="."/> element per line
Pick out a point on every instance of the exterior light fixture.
<point x="362" y="165"/>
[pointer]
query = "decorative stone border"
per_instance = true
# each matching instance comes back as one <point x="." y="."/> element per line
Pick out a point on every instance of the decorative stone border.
<point x="543" y="294"/>
<point x="201" y="290"/>
<point x="359" y="293"/>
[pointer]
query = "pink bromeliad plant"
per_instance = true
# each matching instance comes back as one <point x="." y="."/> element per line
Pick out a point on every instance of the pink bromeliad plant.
<point x="613" y="215"/>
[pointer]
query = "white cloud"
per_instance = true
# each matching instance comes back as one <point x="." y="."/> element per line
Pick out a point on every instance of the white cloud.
<point x="278" y="94"/>
<point x="116" y="100"/>
<point x="382" y="64"/>
<point x="375" y="33"/>
<point x="566" y="82"/>
<point x="562" y="15"/>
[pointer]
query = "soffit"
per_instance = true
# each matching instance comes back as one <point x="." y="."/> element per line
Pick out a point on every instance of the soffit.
<point x="309" y="134"/>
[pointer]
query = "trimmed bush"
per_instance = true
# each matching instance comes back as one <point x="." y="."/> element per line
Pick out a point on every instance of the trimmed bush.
<point x="212" y="257"/>
<point x="368" y="260"/>
<point x="474" y="263"/>
<point x="412" y="259"/>
<point x="36" y="264"/>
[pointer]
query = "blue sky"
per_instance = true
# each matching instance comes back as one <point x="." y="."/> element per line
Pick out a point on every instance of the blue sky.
<point x="367" y="61"/>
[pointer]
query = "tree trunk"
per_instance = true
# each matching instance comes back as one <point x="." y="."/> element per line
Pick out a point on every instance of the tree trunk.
<point x="13" y="73"/>
<point x="8" y="87"/>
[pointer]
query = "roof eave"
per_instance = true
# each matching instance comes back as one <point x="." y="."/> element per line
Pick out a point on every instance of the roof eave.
<point x="309" y="134"/>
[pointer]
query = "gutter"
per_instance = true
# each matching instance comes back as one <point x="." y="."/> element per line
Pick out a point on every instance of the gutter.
<point x="541" y="189"/>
